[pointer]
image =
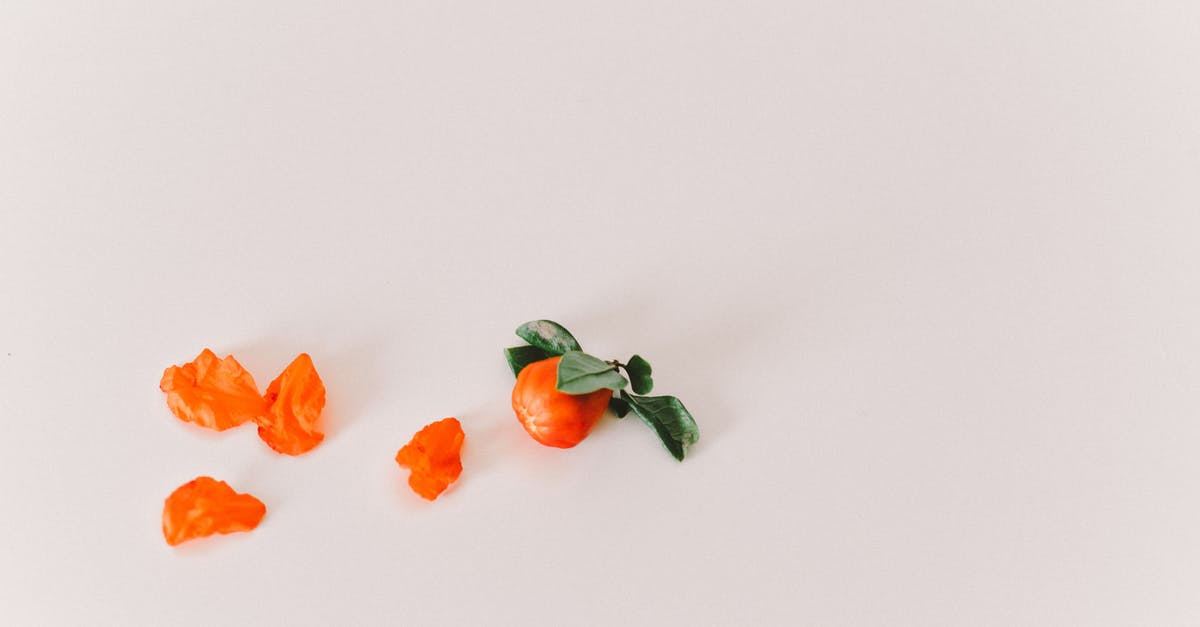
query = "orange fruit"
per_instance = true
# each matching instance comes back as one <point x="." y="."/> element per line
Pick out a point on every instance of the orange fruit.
<point x="552" y="417"/>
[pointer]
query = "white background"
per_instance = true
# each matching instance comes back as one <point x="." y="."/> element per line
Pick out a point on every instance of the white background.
<point x="927" y="274"/>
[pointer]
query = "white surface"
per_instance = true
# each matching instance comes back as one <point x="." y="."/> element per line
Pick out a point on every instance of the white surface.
<point x="926" y="273"/>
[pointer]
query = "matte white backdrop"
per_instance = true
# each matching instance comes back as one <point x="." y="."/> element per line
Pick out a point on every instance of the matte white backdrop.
<point x="927" y="274"/>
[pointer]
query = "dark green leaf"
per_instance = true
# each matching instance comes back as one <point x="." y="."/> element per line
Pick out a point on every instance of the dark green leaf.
<point x="521" y="356"/>
<point x="669" y="418"/>
<point x="619" y="406"/>
<point x="549" y="336"/>
<point x="580" y="373"/>
<point x="639" y="375"/>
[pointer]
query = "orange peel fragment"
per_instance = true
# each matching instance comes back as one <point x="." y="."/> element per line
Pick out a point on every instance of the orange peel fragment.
<point x="204" y="506"/>
<point x="294" y="401"/>
<point x="211" y="392"/>
<point x="433" y="455"/>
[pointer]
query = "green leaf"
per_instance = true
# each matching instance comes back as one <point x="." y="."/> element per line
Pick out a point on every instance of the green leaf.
<point x="580" y="373"/>
<point x="549" y="336"/>
<point x="521" y="356"/>
<point x="619" y="406"/>
<point x="639" y="371"/>
<point x="669" y="418"/>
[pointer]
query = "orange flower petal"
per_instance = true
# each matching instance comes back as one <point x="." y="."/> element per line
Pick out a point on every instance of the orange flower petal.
<point x="211" y="392"/>
<point x="204" y="506"/>
<point x="294" y="403"/>
<point x="433" y="456"/>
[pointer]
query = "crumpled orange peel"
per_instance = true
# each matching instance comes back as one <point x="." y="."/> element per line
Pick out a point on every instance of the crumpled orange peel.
<point x="204" y="506"/>
<point x="433" y="455"/>
<point x="211" y="392"/>
<point x="294" y="401"/>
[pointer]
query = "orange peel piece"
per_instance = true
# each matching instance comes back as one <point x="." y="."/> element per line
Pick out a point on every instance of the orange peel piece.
<point x="433" y="455"/>
<point x="294" y="401"/>
<point x="204" y="506"/>
<point x="211" y="392"/>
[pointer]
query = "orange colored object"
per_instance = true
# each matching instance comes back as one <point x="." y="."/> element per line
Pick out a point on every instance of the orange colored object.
<point x="211" y="392"/>
<point x="433" y="454"/>
<point x="294" y="402"/>
<point x="552" y="417"/>
<point x="204" y="506"/>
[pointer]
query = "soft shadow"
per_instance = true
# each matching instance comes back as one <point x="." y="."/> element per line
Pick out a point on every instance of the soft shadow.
<point x="352" y="383"/>
<point x="710" y="344"/>
<point x="490" y="429"/>
<point x="629" y="308"/>
<point x="213" y="544"/>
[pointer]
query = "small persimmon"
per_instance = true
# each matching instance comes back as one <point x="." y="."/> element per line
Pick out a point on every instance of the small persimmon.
<point x="554" y="418"/>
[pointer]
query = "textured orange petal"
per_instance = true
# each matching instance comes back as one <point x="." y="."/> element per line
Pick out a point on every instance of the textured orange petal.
<point x="204" y="506"/>
<point x="211" y="392"/>
<point x="433" y="457"/>
<point x="294" y="403"/>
